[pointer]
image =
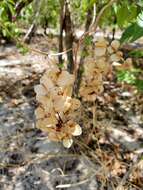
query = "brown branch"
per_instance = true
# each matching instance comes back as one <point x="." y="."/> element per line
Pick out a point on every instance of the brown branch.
<point x="33" y="27"/>
<point x="101" y="13"/>
<point x="69" y="38"/>
<point x="20" y="5"/>
<point x="62" y="14"/>
<point x="83" y="50"/>
<point x="94" y="16"/>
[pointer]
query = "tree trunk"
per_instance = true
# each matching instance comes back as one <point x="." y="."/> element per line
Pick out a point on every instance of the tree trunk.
<point x="20" y="5"/>
<point x="83" y="52"/>
<point x="69" y="38"/>
<point x="33" y="27"/>
<point x="66" y="25"/>
<point x="62" y="15"/>
<point x="30" y="33"/>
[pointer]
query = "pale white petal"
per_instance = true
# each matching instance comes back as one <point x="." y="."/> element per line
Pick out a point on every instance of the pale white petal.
<point x="39" y="112"/>
<point x="59" y="102"/>
<point x="65" y="79"/>
<point x="75" y="104"/>
<point x="116" y="64"/>
<point x="77" y="131"/>
<point x="100" y="51"/>
<point x="101" y="40"/>
<point x="110" y="50"/>
<point x="40" y="90"/>
<point x="115" y="58"/>
<point x="47" y="82"/>
<point x="67" y="103"/>
<point x="115" y="44"/>
<point x="67" y="143"/>
<point x="129" y="61"/>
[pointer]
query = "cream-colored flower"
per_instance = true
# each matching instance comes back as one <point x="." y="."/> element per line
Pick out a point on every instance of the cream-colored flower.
<point x="53" y="73"/>
<point x="60" y="103"/>
<point x="100" y="51"/>
<point x="110" y="50"/>
<point x="116" y="56"/>
<point x="55" y="114"/>
<point x="89" y="66"/>
<point x="65" y="79"/>
<point x="88" y="93"/>
<point x="115" y="44"/>
<point x="95" y="69"/>
<point x="100" y="47"/>
<point x="102" y="65"/>
<point x="75" y="104"/>
<point x="44" y="126"/>
<point x="126" y="65"/>
<point x="47" y="82"/>
<point x="77" y="131"/>
<point x="45" y="102"/>
<point x="40" y="90"/>
<point x="40" y="113"/>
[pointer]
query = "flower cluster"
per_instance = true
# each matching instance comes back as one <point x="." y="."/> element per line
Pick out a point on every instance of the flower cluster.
<point x="56" y="111"/>
<point x="97" y="67"/>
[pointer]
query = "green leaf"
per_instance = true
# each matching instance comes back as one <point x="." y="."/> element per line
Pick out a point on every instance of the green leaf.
<point x="12" y="2"/>
<point x="61" y="65"/>
<point x="139" y="84"/>
<point x="125" y="14"/>
<point x="140" y="19"/>
<point x="11" y="8"/>
<point x="132" y="13"/>
<point x="132" y="33"/>
<point x="136" y="53"/>
<point x="126" y="76"/>
<point x="23" y="50"/>
<point x="88" y="40"/>
<point x="122" y="15"/>
<point x="4" y="33"/>
<point x="140" y="3"/>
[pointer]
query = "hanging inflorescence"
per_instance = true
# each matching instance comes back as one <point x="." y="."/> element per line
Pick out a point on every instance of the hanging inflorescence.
<point x="97" y="67"/>
<point x="57" y="109"/>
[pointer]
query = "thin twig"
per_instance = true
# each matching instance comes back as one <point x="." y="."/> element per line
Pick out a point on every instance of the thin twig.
<point x="49" y="54"/>
<point x="101" y="13"/>
<point x="127" y="174"/>
<point x="77" y="184"/>
<point x="94" y="16"/>
<point x="83" y="181"/>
